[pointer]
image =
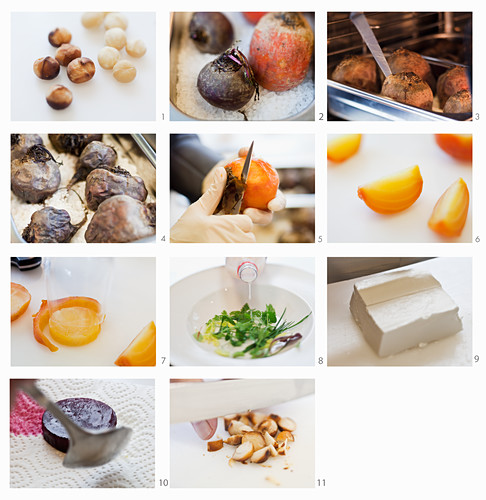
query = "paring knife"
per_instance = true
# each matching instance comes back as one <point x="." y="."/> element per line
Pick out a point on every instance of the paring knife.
<point x="361" y="23"/>
<point x="192" y="401"/>
<point x="244" y="176"/>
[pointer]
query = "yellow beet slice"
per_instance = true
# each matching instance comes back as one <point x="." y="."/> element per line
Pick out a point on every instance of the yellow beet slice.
<point x="394" y="193"/>
<point x="19" y="300"/>
<point x="341" y="148"/>
<point x="141" y="351"/>
<point x="450" y="212"/>
<point x="42" y="317"/>
<point x="74" y="326"/>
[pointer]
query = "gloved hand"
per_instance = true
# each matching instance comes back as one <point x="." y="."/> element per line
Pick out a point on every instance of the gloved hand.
<point x="262" y="217"/>
<point x="199" y="225"/>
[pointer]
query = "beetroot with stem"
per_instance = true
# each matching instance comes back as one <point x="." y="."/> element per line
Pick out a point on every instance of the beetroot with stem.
<point x="228" y="82"/>
<point x="211" y="32"/>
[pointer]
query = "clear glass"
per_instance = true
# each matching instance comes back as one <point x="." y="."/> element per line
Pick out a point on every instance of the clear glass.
<point x="77" y="292"/>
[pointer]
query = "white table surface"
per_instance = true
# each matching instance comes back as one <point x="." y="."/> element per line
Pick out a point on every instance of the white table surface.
<point x="346" y="345"/>
<point x="349" y="219"/>
<point x="103" y="97"/>
<point x="130" y="306"/>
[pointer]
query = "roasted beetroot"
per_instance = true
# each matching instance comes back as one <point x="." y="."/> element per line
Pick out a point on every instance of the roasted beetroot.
<point x="404" y="60"/>
<point x="211" y="32"/>
<point x="357" y="71"/>
<point x="95" y="155"/>
<point x="72" y="143"/>
<point x="408" y="88"/>
<point x="228" y="81"/>
<point x="451" y="82"/>
<point x="20" y="144"/>
<point x="281" y="50"/>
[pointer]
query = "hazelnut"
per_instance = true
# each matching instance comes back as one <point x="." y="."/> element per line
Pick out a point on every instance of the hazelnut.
<point x="108" y="57"/>
<point x="81" y="70"/>
<point x="67" y="53"/>
<point x="136" y="48"/>
<point x="124" y="71"/>
<point x="46" y="68"/>
<point x="115" y="37"/>
<point x="92" y="19"/>
<point x="59" y="36"/>
<point x="115" y="20"/>
<point x="59" y="97"/>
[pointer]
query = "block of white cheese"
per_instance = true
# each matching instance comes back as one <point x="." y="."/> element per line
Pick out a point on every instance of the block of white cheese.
<point x="402" y="309"/>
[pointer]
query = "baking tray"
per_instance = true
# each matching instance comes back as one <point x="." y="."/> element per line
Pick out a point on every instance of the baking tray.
<point x="349" y="103"/>
<point x="141" y="150"/>
<point x="176" y="34"/>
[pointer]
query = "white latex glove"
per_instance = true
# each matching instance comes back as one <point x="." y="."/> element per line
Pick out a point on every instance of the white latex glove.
<point x="199" y="225"/>
<point x="261" y="217"/>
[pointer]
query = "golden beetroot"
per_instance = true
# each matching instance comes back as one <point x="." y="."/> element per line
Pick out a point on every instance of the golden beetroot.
<point x="19" y="300"/>
<point x="281" y="50"/>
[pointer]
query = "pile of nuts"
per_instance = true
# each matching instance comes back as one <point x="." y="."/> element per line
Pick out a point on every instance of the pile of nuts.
<point x="257" y="436"/>
<point x="82" y="69"/>
<point x="79" y="69"/>
<point x="109" y="57"/>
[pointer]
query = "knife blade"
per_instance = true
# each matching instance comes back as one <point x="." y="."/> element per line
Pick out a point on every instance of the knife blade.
<point x="191" y="402"/>
<point x="243" y="178"/>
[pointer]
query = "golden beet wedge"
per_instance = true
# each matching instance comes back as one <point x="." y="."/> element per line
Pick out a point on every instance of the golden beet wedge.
<point x="341" y="148"/>
<point x="394" y="193"/>
<point x="19" y="300"/>
<point x="141" y="351"/>
<point x="450" y="211"/>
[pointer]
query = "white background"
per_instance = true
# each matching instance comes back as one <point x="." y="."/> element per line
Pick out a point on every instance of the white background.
<point x="381" y="433"/>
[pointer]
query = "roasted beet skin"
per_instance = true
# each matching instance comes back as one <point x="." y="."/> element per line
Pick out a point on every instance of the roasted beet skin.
<point x="211" y="32"/>
<point x="89" y="414"/>
<point x="72" y="143"/>
<point x="281" y="50"/>
<point x="95" y="155"/>
<point x="36" y="175"/>
<point x="408" y="88"/>
<point x="20" y="144"/>
<point x="451" y="82"/>
<point x="357" y="71"/>
<point x="460" y="102"/>
<point x="102" y="184"/>
<point x="404" y="60"/>
<point x="121" y="219"/>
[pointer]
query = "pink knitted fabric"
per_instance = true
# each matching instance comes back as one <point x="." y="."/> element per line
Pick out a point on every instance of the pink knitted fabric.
<point x="26" y="416"/>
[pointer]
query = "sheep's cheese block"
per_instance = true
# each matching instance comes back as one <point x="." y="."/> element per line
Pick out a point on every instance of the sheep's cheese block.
<point x="402" y="309"/>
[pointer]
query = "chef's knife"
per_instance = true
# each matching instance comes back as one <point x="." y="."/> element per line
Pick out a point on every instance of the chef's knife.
<point x="243" y="178"/>
<point x="193" y="401"/>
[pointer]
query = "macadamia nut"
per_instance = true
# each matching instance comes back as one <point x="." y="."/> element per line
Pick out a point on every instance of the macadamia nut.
<point x="124" y="71"/>
<point x="46" y="68"/>
<point x="115" y="37"/>
<point x="92" y="19"/>
<point x="136" y="48"/>
<point x="59" y="36"/>
<point x="67" y="53"/>
<point x="115" y="20"/>
<point x="108" y="57"/>
<point x="81" y="70"/>
<point x="59" y="97"/>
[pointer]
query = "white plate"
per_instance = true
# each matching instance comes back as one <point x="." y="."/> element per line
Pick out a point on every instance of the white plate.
<point x="200" y="296"/>
<point x="350" y="220"/>
<point x="346" y="345"/>
<point x="130" y="306"/>
<point x="192" y="466"/>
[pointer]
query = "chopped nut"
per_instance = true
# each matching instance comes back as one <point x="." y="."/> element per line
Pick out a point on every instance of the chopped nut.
<point x="255" y="438"/>
<point x="269" y="441"/>
<point x="228" y="418"/>
<point x="261" y="455"/>
<point x="268" y="425"/>
<point x="234" y="440"/>
<point x="245" y="420"/>
<point x="256" y="418"/>
<point x="215" y="445"/>
<point x="287" y="424"/>
<point x="284" y="436"/>
<point x="282" y="448"/>
<point x="243" y="452"/>
<point x="273" y="451"/>
<point x="237" y="427"/>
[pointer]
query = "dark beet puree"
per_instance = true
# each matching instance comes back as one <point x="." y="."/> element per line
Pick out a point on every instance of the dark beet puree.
<point x="88" y="413"/>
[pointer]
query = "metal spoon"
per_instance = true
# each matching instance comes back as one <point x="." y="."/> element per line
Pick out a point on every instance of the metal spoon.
<point x="86" y="448"/>
<point x="361" y="23"/>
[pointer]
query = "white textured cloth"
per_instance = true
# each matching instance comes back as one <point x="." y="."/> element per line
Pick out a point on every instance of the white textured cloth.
<point x="35" y="464"/>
